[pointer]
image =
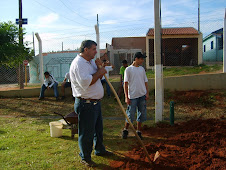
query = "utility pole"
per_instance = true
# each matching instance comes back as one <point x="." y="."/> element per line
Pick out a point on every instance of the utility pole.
<point x="199" y="16"/>
<point x="21" y="75"/>
<point x="224" y="43"/>
<point x="158" y="65"/>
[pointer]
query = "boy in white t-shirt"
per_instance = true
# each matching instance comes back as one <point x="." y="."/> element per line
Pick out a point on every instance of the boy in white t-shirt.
<point x="136" y="93"/>
<point x="103" y="80"/>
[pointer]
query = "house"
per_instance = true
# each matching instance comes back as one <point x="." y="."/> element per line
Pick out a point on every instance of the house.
<point x="129" y="43"/>
<point x="181" y="46"/>
<point x="124" y="48"/>
<point x="56" y="63"/>
<point x="213" y="46"/>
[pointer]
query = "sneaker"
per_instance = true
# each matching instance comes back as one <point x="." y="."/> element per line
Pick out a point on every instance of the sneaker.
<point x="40" y="98"/>
<point x="125" y="134"/>
<point x="57" y="98"/>
<point x="107" y="153"/>
<point x="63" y="97"/>
<point x="140" y="135"/>
<point x="88" y="163"/>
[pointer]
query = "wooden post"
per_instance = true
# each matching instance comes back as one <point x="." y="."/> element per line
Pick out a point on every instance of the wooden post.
<point x="25" y="67"/>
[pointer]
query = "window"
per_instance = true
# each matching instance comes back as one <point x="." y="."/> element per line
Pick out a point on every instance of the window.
<point x="204" y="48"/>
<point x="211" y="44"/>
<point x="220" y="42"/>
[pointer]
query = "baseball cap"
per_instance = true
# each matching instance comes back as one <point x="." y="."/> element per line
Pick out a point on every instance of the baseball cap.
<point x="139" y="55"/>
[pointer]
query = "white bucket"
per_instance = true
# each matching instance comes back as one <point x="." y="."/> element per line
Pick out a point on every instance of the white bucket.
<point x="55" y="129"/>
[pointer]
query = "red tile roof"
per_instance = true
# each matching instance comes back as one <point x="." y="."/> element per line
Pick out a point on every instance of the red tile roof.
<point x="175" y="31"/>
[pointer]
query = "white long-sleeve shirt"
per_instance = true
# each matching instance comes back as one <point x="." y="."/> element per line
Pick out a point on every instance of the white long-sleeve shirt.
<point x="51" y="80"/>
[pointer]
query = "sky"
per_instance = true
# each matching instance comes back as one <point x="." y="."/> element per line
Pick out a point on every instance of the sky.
<point x="66" y="23"/>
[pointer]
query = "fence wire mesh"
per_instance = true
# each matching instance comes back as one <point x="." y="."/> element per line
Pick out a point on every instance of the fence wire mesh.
<point x="116" y="45"/>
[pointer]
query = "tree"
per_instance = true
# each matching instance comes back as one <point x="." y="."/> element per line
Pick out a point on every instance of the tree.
<point x="11" y="52"/>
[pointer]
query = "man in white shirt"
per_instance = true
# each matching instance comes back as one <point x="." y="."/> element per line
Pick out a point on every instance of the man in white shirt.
<point x="136" y="93"/>
<point x="103" y="80"/>
<point x="87" y="89"/>
<point x="49" y="82"/>
<point x="65" y="84"/>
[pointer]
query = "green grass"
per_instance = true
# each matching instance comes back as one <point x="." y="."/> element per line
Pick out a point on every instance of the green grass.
<point x="25" y="141"/>
<point x="179" y="71"/>
<point x="26" y="144"/>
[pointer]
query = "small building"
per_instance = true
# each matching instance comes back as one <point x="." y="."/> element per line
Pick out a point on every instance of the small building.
<point x="213" y="46"/>
<point x="181" y="46"/>
<point x="129" y="43"/>
<point x="56" y="63"/>
<point x="124" y="48"/>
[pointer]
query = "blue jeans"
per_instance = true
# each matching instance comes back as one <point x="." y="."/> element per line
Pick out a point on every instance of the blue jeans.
<point x="90" y="128"/>
<point x="107" y="86"/>
<point x="139" y="105"/>
<point x="55" y="86"/>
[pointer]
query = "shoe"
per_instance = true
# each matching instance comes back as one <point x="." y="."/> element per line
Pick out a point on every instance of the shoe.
<point x="107" y="153"/>
<point x="40" y="98"/>
<point x="88" y="163"/>
<point x="125" y="134"/>
<point x="63" y="97"/>
<point x="57" y="98"/>
<point x="140" y="135"/>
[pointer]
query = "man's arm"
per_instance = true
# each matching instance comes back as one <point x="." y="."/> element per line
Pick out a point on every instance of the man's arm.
<point x="127" y="100"/>
<point x="120" y="79"/>
<point x="52" y="80"/>
<point x="147" y="94"/>
<point x="98" y="75"/>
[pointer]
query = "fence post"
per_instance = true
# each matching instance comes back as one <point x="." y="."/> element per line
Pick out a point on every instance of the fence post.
<point x="224" y="44"/>
<point x="171" y="113"/>
<point x="158" y="65"/>
<point x="40" y="58"/>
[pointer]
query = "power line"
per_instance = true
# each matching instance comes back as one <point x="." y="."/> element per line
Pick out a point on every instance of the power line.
<point x="73" y="10"/>
<point x="61" y="15"/>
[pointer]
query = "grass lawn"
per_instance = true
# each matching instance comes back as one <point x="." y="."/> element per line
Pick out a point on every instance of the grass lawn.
<point x="180" y="71"/>
<point x="25" y="141"/>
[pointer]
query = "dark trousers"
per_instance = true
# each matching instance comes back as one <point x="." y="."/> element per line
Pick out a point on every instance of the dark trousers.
<point x="90" y="127"/>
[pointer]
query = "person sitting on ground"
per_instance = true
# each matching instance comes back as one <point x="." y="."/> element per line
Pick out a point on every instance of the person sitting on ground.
<point x="103" y="80"/>
<point x="136" y="93"/>
<point x="49" y="82"/>
<point x="122" y="70"/>
<point x="65" y="84"/>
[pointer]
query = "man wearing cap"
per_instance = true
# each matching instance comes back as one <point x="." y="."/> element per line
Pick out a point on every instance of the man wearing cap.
<point x="87" y="89"/>
<point x="136" y="93"/>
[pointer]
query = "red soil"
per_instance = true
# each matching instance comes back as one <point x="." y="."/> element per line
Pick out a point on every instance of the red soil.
<point x="196" y="144"/>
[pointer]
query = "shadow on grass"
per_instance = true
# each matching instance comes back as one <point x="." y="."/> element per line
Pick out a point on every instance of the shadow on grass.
<point x="2" y="132"/>
<point x="68" y="138"/>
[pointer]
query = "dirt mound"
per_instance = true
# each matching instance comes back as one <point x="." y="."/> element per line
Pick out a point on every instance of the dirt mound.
<point x="196" y="144"/>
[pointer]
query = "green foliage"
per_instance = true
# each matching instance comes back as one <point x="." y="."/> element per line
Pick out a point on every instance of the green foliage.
<point x="11" y="51"/>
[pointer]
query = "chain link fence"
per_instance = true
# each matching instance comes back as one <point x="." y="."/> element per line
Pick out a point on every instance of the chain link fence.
<point x="116" y="45"/>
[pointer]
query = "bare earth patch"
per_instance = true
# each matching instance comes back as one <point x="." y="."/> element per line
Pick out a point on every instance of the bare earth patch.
<point x="196" y="144"/>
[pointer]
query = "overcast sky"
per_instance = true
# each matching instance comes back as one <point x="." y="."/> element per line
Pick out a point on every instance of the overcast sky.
<point x="71" y="21"/>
